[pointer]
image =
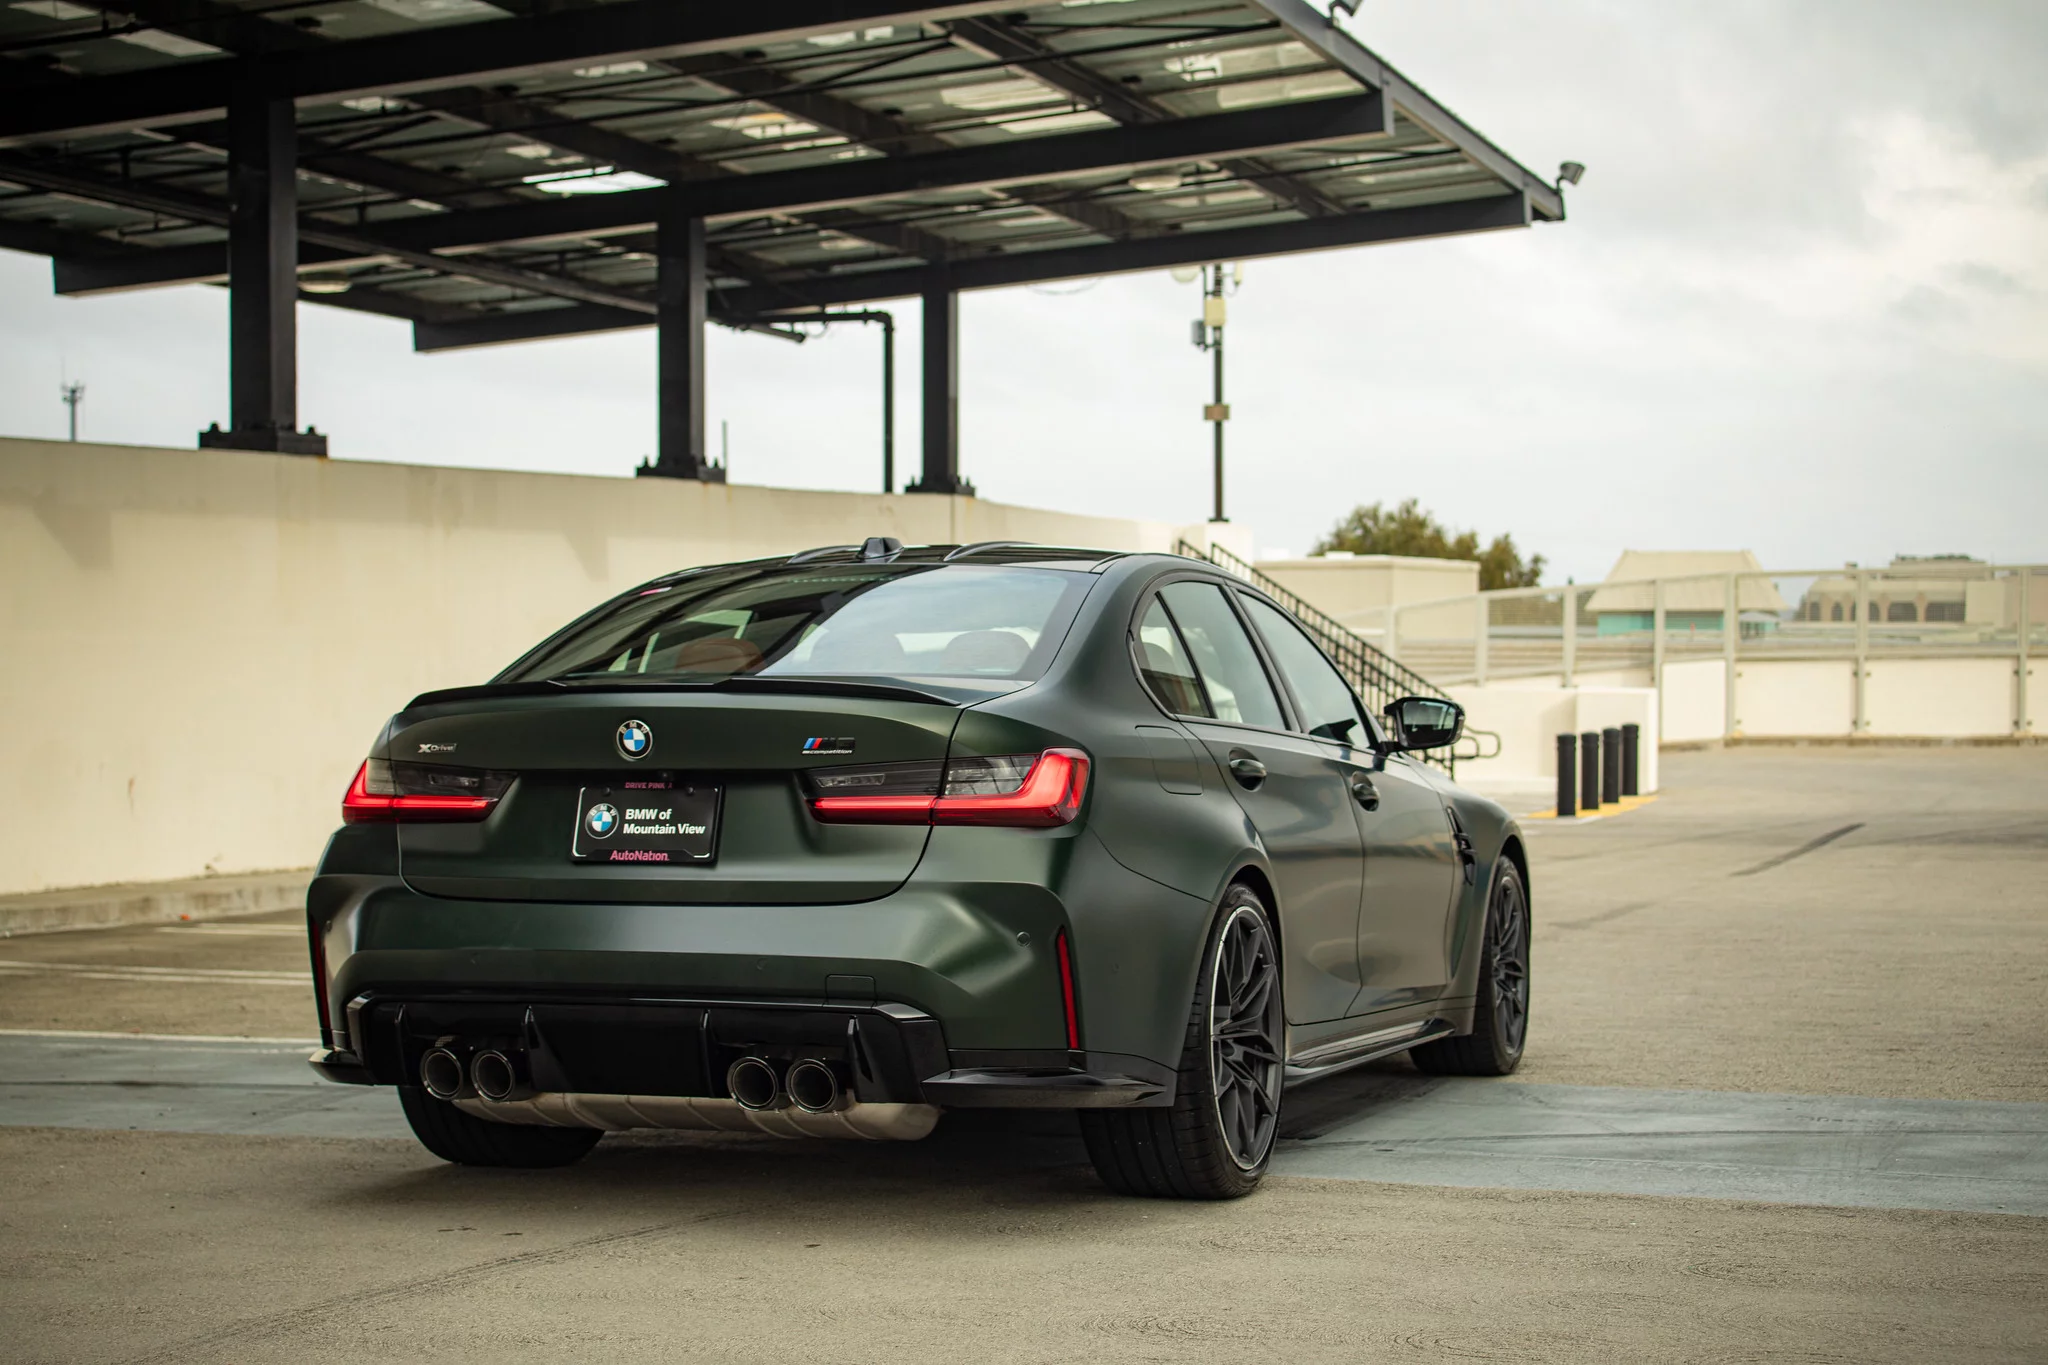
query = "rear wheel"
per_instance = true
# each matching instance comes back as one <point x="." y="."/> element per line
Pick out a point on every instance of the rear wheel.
<point x="1500" y="1020"/>
<point x="1216" y="1140"/>
<point x="452" y="1135"/>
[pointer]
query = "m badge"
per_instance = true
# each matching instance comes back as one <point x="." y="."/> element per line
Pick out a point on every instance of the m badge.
<point x="819" y="744"/>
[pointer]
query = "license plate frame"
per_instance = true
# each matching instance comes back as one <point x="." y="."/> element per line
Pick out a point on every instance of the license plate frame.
<point x="672" y="824"/>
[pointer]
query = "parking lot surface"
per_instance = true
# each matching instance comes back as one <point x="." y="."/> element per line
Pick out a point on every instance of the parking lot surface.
<point x="1786" y="1098"/>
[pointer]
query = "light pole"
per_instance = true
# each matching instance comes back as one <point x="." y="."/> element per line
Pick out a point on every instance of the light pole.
<point x="74" y="394"/>
<point x="1208" y="336"/>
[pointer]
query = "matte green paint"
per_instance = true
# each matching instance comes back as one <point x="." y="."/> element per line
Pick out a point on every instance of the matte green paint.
<point x="958" y="921"/>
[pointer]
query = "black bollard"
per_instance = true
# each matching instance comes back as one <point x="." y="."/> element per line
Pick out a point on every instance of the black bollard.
<point x="1631" y="760"/>
<point x="1567" y="776"/>
<point x="1610" y="766"/>
<point x="1589" y="770"/>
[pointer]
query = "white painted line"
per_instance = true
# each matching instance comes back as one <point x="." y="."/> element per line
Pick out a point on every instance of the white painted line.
<point x="195" y="976"/>
<point x="61" y="1034"/>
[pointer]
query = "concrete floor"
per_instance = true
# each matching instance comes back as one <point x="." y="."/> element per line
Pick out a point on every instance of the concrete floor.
<point x="1724" y="1005"/>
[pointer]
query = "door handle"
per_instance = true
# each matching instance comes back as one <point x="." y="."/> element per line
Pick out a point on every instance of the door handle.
<point x="1363" y="791"/>
<point x="1248" y="771"/>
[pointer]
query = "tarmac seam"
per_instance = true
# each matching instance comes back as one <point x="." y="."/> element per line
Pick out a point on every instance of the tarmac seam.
<point x="1800" y="852"/>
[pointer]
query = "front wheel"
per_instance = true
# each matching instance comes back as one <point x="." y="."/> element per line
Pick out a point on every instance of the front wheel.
<point x="1500" y="1021"/>
<point x="1216" y="1140"/>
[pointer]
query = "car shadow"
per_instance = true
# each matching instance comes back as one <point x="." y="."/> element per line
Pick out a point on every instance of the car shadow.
<point x="992" y="1158"/>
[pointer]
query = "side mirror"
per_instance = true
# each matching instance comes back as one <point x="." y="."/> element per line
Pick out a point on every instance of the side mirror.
<point x="1424" y="723"/>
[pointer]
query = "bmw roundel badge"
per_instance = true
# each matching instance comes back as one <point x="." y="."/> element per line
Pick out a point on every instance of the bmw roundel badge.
<point x="635" y="740"/>
<point x="601" y="821"/>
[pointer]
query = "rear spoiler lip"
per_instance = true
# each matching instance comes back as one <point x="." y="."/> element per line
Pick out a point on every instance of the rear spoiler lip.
<point x="812" y="687"/>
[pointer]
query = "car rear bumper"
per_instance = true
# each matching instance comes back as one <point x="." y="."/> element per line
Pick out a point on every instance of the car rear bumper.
<point x="941" y="995"/>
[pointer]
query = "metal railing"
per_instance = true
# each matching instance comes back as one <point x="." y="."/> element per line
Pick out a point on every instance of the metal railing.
<point x="1379" y="679"/>
<point x="1927" y="609"/>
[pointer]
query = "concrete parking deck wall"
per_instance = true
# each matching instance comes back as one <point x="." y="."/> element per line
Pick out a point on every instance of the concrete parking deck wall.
<point x="201" y="645"/>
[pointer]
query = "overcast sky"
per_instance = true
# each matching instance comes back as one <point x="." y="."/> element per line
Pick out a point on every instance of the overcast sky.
<point x="1801" y="307"/>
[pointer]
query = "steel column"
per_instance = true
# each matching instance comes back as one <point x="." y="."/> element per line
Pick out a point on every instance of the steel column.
<point x="263" y="280"/>
<point x="941" y="390"/>
<point x="681" y="307"/>
<point x="1731" y="629"/>
<point x="1860" y="722"/>
<point x="2022" y="717"/>
<point x="1657" y="649"/>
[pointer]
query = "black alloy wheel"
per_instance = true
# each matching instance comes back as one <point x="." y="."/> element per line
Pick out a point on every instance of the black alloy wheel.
<point x="1245" y="1032"/>
<point x="1217" y="1139"/>
<point x="1500" y="1017"/>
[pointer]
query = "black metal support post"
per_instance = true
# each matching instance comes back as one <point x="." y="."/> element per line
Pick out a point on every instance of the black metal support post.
<point x="680" y="298"/>
<point x="1589" y="770"/>
<point x="1219" y="413"/>
<point x="1631" y="760"/>
<point x="1610" y="766"/>
<point x="941" y="391"/>
<point x="263" y="280"/>
<point x="888" y="401"/>
<point x="1567" y="776"/>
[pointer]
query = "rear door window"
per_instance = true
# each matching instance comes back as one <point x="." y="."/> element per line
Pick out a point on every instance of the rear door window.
<point x="1329" y="710"/>
<point x="1232" y="677"/>
<point x="1166" y="668"/>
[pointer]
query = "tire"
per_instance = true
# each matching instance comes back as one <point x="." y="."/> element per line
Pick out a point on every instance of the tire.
<point x="466" y="1140"/>
<point x="1216" y="1140"/>
<point x="1500" y="1020"/>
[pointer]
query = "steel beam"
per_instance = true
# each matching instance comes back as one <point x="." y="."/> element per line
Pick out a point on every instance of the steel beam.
<point x="941" y="399"/>
<point x="364" y="242"/>
<point x="77" y="272"/>
<point x="679" y="366"/>
<point x="1321" y="34"/>
<point x="454" y="53"/>
<point x="873" y="286"/>
<point x="1024" y="161"/>
<point x="1156" y="253"/>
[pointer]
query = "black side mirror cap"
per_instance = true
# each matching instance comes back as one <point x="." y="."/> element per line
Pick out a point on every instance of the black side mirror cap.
<point x="1423" y="723"/>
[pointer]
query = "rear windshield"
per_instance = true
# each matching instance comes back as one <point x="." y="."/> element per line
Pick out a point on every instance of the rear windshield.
<point x="931" y="621"/>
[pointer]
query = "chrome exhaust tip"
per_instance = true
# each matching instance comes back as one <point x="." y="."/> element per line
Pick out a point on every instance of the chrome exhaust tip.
<point x="494" y="1076"/>
<point x="756" y="1084"/>
<point x="441" y="1073"/>
<point x="813" y="1087"/>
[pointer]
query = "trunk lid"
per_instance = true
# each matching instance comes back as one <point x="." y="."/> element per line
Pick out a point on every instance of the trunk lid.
<point x="753" y="747"/>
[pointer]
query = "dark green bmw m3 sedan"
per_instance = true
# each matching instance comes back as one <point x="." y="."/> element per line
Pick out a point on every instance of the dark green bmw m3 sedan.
<point x="832" y="843"/>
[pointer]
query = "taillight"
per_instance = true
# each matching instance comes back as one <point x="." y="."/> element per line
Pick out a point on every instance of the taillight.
<point x="1036" y="791"/>
<point x="421" y="791"/>
<point x="1066" y="957"/>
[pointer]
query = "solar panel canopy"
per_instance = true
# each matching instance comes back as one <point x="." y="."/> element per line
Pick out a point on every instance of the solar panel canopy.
<point x="495" y="172"/>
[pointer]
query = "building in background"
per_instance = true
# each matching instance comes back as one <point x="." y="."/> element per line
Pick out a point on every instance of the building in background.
<point x="1625" y="602"/>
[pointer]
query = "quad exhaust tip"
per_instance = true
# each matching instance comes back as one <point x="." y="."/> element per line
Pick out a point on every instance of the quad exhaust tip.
<point x="756" y="1084"/>
<point x="813" y="1087"/>
<point x="493" y="1075"/>
<point x="441" y="1073"/>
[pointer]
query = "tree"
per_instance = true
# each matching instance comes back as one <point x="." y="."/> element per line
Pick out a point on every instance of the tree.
<point x="1408" y="530"/>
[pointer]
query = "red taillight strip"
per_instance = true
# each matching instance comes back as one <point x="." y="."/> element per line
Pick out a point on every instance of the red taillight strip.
<point x="1050" y="795"/>
<point x="1067" y="991"/>
<point x="361" y="805"/>
<point x="874" y="810"/>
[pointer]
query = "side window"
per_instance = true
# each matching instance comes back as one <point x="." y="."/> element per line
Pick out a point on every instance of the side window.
<point x="1164" y="665"/>
<point x="1229" y="666"/>
<point x="1329" y="711"/>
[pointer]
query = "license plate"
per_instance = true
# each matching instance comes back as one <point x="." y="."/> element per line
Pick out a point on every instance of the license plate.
<point x="646" y="822"/>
